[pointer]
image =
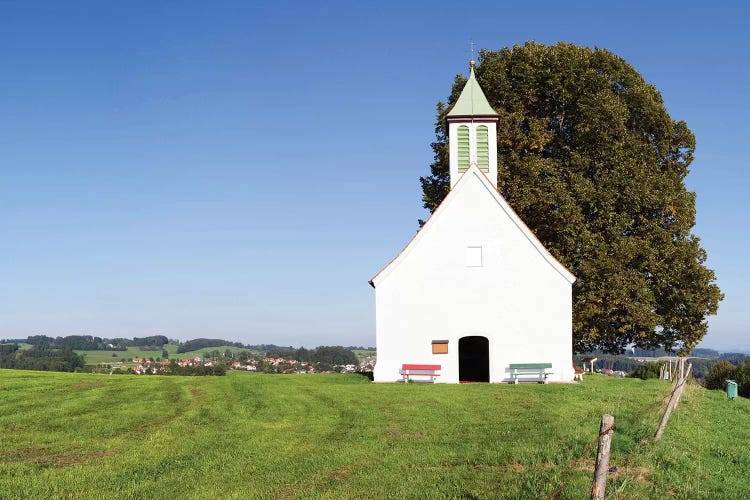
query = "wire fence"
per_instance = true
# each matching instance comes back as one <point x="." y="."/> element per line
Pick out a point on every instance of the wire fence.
<point x="593" y="443"/>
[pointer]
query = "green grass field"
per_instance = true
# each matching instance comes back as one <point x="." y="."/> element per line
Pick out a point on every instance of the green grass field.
<point x="338" y="436"/>
<point x="94" y="357"/>
<point x="207" y="350"/>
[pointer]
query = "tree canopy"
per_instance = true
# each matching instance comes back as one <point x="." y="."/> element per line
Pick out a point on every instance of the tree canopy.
<point x="195" y="344"/>
<point x="40" y="358"/>
<point x="592" y="162"/>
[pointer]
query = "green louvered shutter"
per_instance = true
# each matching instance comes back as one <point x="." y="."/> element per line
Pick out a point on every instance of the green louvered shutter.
<point x="483" y="149"/>
<point x="463" y="148"/>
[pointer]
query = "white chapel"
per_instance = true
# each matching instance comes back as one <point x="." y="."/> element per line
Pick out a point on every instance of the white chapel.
<point x="474" y="292"/>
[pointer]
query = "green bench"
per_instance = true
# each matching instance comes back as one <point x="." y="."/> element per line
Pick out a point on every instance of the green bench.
<point x="538" y="369"/>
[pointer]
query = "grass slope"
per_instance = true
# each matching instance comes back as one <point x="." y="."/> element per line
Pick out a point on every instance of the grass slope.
<point x="337" y="436"/>
<point x="208" y="350"/>
<point x="94" y="357"/>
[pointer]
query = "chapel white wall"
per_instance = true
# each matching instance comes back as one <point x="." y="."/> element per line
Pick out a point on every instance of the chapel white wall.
<point x="520" y="302"/>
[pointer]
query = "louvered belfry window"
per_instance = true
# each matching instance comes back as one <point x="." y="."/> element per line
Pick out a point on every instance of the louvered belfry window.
<point x="463" y="148"/>
<point x="483" y="149"/>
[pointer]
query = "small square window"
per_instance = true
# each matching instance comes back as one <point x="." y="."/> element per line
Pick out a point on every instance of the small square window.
<point x="473" y="256"/>
<point x="439" y="347"/>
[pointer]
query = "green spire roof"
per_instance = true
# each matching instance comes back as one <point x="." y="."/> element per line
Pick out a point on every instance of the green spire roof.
<point x="472" y="101"/>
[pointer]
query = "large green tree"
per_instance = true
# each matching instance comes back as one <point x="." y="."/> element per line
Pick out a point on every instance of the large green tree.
<point x="592" y="162"/>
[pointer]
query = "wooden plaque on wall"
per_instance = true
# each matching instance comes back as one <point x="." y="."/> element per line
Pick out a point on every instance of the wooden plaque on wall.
<point x="439" y="347"/>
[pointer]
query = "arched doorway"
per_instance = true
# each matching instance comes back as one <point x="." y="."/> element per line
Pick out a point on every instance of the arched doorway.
<point x="473" y="359"/>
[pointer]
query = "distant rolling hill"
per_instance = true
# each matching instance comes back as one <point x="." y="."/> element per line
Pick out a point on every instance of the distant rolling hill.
<point x="94" y="357"/>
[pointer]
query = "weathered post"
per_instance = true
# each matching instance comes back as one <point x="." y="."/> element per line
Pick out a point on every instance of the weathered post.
<point x="684" y="382"/>
<point x="679" y="386"/>
<point x="602" y="458"/>
<point x="665" y="417"/>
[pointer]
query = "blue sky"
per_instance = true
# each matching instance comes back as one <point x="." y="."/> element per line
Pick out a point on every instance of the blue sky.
<point x="241" y="169"/>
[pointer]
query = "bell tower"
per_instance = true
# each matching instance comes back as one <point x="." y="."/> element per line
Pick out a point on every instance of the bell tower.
<point x="472" y="132"/>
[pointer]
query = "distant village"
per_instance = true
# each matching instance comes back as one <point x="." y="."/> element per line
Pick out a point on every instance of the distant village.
<point x="200" y="356"/>
<point x="150" y="366"/>
<point x="217" y="356"/>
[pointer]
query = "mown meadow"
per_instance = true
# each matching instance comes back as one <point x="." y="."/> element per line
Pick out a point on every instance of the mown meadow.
<point x="94" y="357"/>
<point x="250" y="435"/>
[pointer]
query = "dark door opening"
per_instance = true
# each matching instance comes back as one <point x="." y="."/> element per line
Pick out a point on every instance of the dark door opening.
<point x="473" y="359"/>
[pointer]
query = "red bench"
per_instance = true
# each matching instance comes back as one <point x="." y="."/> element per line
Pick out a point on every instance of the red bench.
<point x="429" y="372"/>
<point x="578" y="373"/>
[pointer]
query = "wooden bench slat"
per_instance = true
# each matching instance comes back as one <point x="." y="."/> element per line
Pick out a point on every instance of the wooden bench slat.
<point x="420" y="367"/>
<point x="522" y="369"/>
<point x="429" y="372"/>
<point x="530" y="365"/>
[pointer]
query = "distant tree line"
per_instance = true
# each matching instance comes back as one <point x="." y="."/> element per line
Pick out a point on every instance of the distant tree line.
<point x="609" y="361"/>
<point x="701" y="365"/>
<point x="13" y="341"/>
<point x="82" y="342"/>
<point x="40" y="358"/>
<point x="705" y="353"/>
<point x="271" y="347"/>
<point x="647" y="353"/>
<point x="733" y="356"/>
<point x="264" y="347"/>
<point x="91" y="343"/>
<point x="194" y="345"/>
<point x="155" y="342"/>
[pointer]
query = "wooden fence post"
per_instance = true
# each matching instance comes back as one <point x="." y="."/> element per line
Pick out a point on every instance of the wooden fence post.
<point x="665" y="417"/>
<point x="674" y="398"/>
<point x="602" y="458"/>
<point x="684" y="382"/>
